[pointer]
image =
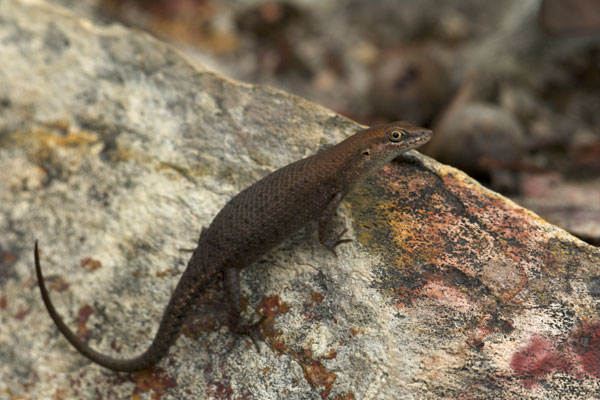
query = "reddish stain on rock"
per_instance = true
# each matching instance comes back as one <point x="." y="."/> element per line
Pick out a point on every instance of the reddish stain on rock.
<point x="269" y="309"/>
<point x="332" y="354"/>
<point x="272" y="306"/>
<point x="348" y="396"/>
<point x="154" y="381"/>
<point x="586" y="344"/>
<point x="315" y="373"/>
<point x="311" y="313"/>
<point x="577" y="351"/>
<point x="3" y="303"/>
<point x="59" y="284"/>
<point x="22" y="314"/>
<point x="6" y="257"/>
<point x="316" y="297"/>
<point x="82" y="317"/>
<point x="90" y="264"/>
<point x="219" y="390"/>
<point x="538" y="358"/>
<point x="166" y="273"/>
<point x="115" y="346"/>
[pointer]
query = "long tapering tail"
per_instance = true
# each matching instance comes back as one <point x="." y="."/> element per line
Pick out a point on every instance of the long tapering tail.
<point x="182" y="300"/>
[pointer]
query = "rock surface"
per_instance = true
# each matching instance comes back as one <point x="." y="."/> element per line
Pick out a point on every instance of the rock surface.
<point x="115" y="150"/>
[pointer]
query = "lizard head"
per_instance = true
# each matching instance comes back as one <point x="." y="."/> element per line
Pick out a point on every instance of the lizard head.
<point x="369" y="149"/>
<point x="381" y="144"/>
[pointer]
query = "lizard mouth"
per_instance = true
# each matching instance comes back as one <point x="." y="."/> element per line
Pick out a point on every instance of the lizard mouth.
<point x="420" y="138"/>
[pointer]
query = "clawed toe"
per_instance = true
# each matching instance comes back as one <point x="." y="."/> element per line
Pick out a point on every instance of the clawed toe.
<point x="333" y="243"/>
<point x="252" y="331"/>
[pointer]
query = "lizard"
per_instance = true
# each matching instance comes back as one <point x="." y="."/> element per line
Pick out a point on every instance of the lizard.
<point x="253" y="222"/>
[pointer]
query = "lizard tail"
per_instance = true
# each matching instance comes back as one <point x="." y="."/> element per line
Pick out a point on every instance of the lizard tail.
<point x="172" y="320"/>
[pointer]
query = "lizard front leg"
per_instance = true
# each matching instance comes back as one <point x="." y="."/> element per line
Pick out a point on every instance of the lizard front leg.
<point x="327" y="238"/>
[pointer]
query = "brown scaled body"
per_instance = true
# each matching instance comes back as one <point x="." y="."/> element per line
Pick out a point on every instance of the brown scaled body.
<point x="256" y="220"/>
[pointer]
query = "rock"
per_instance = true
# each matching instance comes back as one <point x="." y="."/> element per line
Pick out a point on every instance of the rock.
<point x="480" y="138"/>
<point x="575" y="206"/>
<point x="114" y="151"/>
<point x="409" y="82"/>
<point x="580" y="16"/>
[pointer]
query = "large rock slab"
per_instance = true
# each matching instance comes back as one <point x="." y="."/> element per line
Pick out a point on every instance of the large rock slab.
<point x="114" y="151"/>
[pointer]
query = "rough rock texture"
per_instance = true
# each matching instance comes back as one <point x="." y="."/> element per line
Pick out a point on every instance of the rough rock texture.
<point x="115" y="150"/>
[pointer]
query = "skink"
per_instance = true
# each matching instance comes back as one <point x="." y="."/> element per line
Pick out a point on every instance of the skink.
<point x="256" y="220"/>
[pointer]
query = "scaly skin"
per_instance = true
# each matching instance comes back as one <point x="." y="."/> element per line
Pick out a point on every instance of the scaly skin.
<point x="255" y="221"/>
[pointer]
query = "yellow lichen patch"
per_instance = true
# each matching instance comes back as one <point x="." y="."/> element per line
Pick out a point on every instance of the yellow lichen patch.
<point x="413" y="241"/>
<point x="71" y="139"/>
<point x="51" y="147"/>
<point x="49" y="138"/>
<point x="61" y="125"/>
<point x="121" y="154"/>
<point x="52" y="143"/>
<point x="180" y="171"/>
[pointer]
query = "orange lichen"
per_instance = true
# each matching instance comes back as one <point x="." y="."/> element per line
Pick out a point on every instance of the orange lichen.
<point x="272" y="306"/>
<point x="153" y="380"/>
<point x="316" y="297"/>
<point x="59" y="284"/>
<point x="331" y="355"/>
<point x="165" y="273"/>
<point x="71" y="139"/>
<point x="315" y="373"/>
<point x="269" y="308"/>
<point x="90" y="264"/>
<point x="347" y="396"/>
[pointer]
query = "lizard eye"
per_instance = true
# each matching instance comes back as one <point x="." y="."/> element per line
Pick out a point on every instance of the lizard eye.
<point x="395" y="136"/>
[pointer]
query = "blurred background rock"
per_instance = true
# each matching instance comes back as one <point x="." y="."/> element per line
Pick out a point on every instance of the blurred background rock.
<point x="511" y="87"/>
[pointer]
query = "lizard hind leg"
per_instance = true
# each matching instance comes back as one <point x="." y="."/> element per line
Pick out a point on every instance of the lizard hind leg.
<point x="231" y="284"/>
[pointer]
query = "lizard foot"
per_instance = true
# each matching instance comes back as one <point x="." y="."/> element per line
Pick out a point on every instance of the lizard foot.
<point x="250" y="330"/>
<point x="331" y="243"/>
